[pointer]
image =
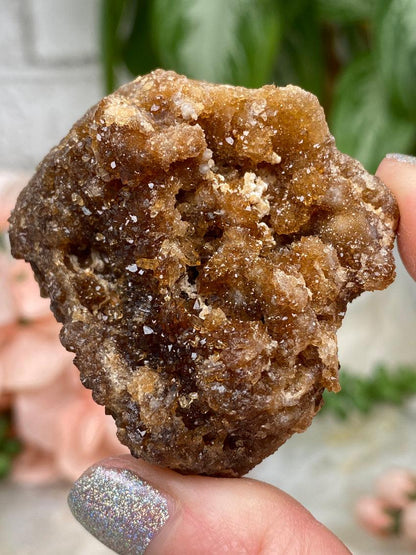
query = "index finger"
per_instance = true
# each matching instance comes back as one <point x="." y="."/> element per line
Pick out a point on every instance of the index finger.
<point x="398" y="172"/>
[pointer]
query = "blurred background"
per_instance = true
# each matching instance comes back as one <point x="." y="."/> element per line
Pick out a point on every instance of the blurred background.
<point x="57" y="58"/>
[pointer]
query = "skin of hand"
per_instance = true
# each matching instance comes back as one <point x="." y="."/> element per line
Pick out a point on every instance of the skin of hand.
<point x="398" y="172"/>
<point x="134" y="507"/>
<point x="200" y="515"/>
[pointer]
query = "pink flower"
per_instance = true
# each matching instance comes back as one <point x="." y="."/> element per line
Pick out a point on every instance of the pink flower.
<point x="63" y="431"/>
<point x="35" y="466"/>
<point x="5" y="401"/>
<point x="409" y="522"/>
<point x="61" y="420"/>
<point x="24" y="292"/>
<point x="30" y="353"/>
<point x="10" y="185"/>
<point x="372" y="514"/>
<point x="396" y="486"/>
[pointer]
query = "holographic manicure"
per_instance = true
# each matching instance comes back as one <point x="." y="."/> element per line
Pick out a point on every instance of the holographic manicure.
<point x="118" y="508"/>
<point x="405" y="158"/>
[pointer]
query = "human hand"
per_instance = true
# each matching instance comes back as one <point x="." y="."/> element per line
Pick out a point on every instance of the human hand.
<point x="130" y="505"/>
<point x="398" y="172"/>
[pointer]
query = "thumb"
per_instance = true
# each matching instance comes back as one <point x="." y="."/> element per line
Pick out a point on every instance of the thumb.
<point x="398" y="171"/>
<point x="134" y="507"/>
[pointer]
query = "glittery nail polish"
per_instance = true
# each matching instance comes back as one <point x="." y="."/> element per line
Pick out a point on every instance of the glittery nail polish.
<point x="405" y="158"/>
<point x="117" y="507"/>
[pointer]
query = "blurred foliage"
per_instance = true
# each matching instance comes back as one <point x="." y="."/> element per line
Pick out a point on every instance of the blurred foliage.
<point x="357" y="56"/>
<point x="9" y="445"/>
<point x="363" y="393"/>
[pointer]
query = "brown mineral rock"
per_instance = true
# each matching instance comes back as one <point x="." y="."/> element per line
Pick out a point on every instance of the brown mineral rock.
<point x="200" y="244"/>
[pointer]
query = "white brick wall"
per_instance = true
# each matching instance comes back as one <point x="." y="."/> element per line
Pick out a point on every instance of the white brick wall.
<point x="49" y="74"/>
<point x="11" y="34"/>
<point x="65" y="30"/>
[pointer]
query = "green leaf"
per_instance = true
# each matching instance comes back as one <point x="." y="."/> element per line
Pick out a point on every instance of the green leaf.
<point x="233" y="42"/>
<point x="3" y="242"/>
<point x="380" y="10"/>
<point x="290" y="10"/>
<point x="138" y="51"/>
<point x="5" y="465"/>
<point x="301" y="60"/>
<point x="258" y="34"/>
<point x="4" y="427"/>
<point x="345" y="11"/>
<point x="111" y="13"/>
<point x="362" y="393"/>
<point x="396" y="48"/>
<point x="362" y="121"/>
<point x="11" y="446"/>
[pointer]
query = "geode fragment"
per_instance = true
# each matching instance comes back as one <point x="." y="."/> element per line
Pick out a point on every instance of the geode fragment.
<point x="200" y="244"/>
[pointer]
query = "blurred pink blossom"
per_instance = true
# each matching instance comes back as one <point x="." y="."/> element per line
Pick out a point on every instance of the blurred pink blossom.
<point x="63" y="431"/>
<point x="409" y="522"/>
<point x="372" y="514"/>
<point x="11" y="182"/>
<point x="396" y="486"/>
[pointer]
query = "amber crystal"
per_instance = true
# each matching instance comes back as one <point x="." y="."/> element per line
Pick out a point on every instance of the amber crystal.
<point x="200" y="244"/>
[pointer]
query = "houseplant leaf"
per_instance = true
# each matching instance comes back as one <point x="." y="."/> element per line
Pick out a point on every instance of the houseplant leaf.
<point x="396" y="49"/>
<point x="362" y="120"/>
<point x="233" y="41"/>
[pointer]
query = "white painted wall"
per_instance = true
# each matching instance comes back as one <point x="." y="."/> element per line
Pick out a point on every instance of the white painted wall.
<point x="49" y="74"/>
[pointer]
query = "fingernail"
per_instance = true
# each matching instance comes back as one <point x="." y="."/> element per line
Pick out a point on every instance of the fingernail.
<point x="117" y="507"/>
<point x="404" y="158"/>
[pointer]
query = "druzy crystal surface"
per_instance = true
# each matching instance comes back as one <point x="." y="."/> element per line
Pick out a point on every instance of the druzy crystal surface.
<point x="200" y="244"/>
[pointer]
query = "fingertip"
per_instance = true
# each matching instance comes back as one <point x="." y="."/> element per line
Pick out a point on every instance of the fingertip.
<point x="123" y="502"/>
<point x="398" y="172"/>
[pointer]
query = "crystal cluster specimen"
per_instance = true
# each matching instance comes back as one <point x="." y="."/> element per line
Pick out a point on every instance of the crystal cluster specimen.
<point x="200" y="244"/>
